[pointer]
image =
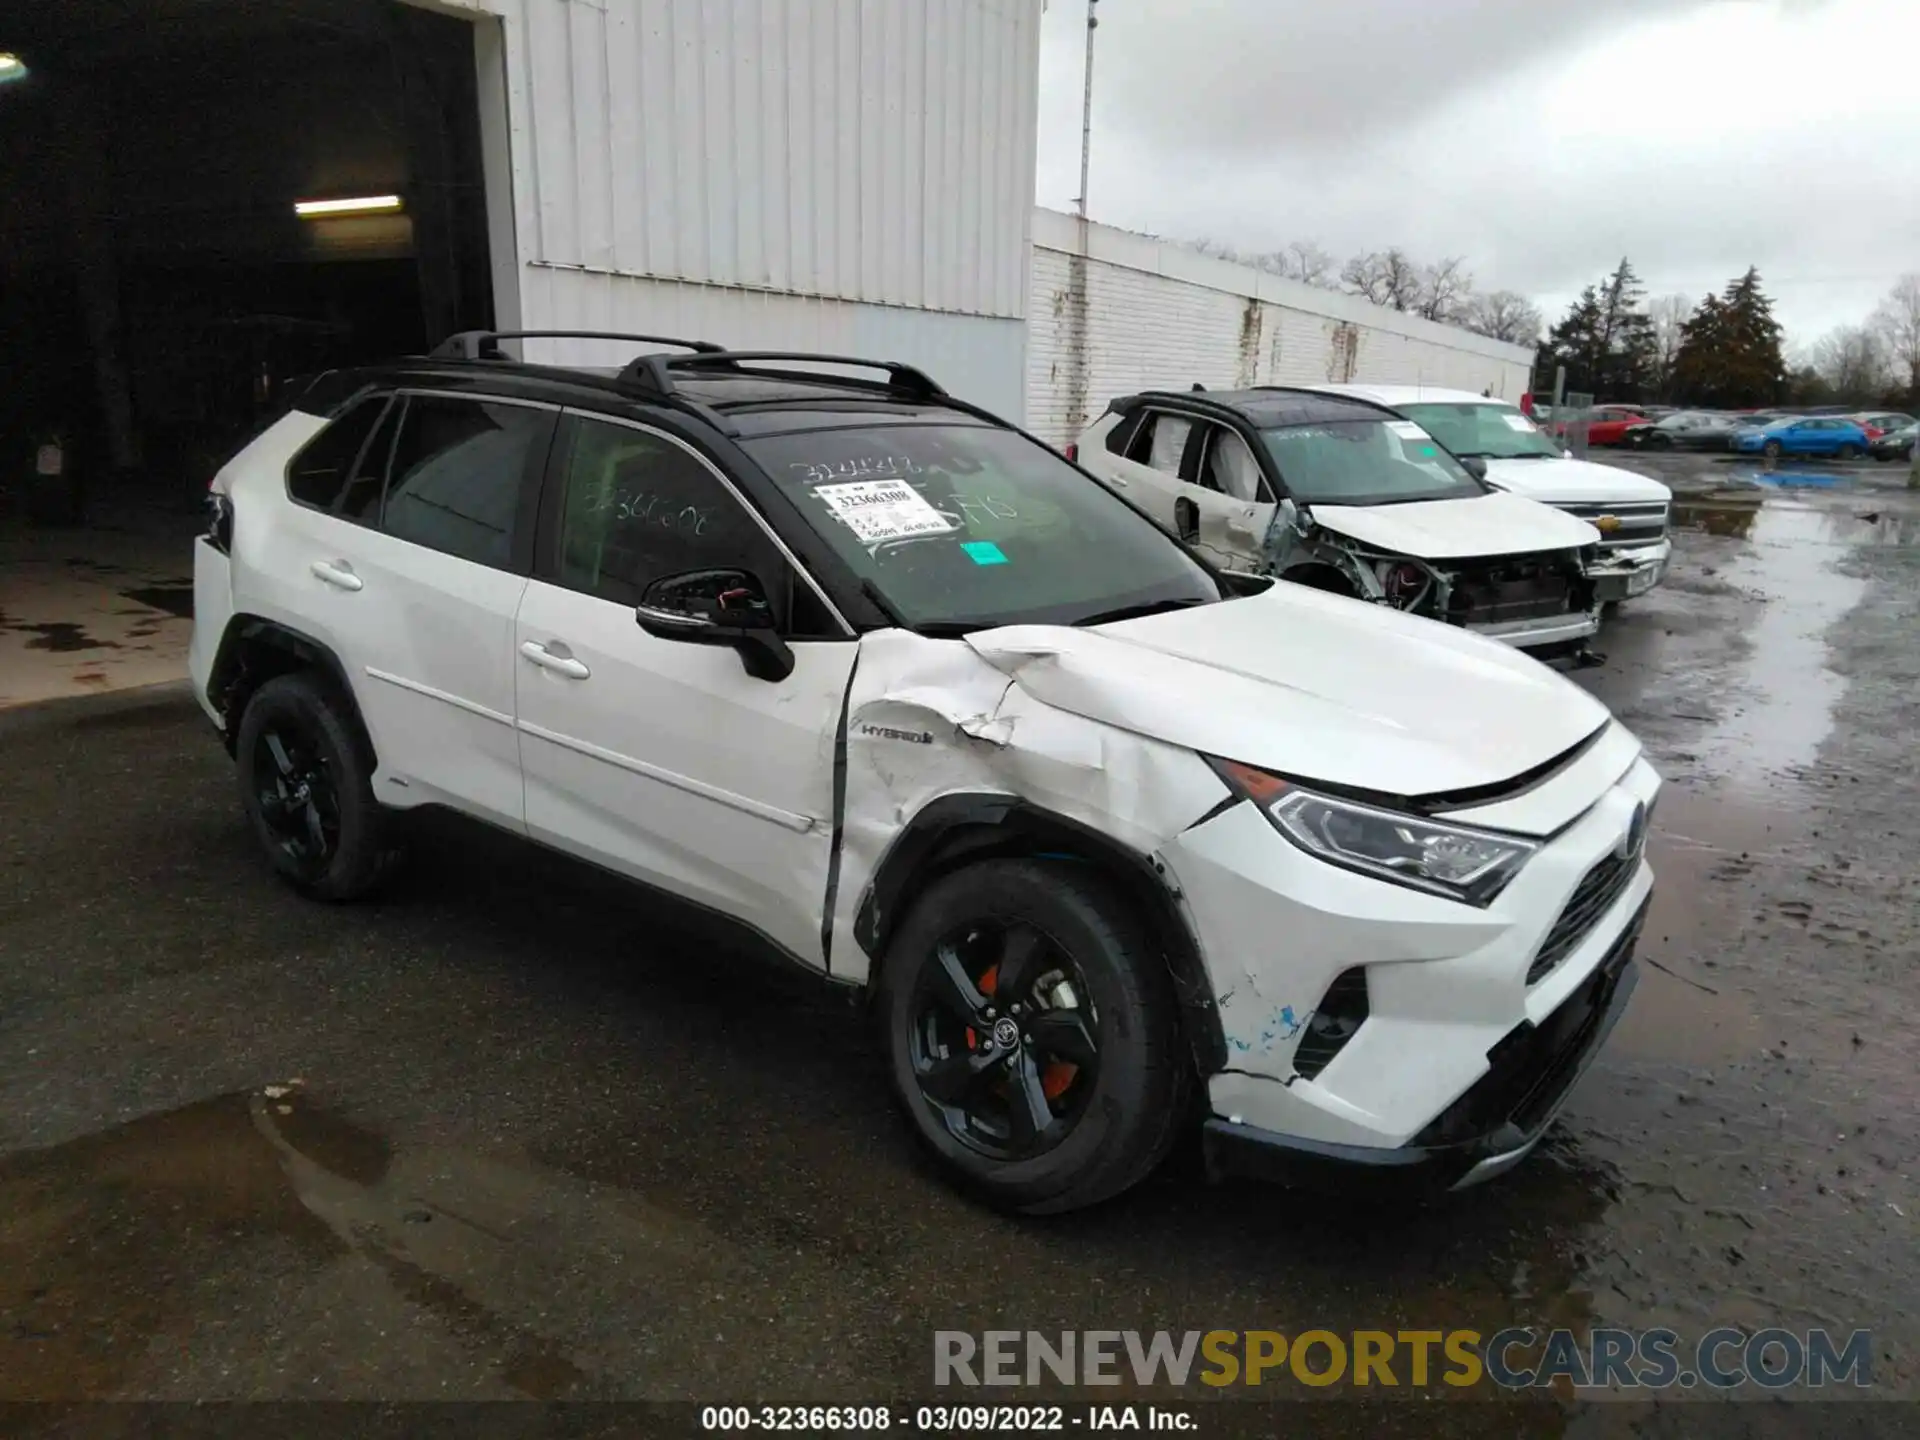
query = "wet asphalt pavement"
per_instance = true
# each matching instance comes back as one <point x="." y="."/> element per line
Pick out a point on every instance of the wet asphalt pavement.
<point x="514" y="1133"/>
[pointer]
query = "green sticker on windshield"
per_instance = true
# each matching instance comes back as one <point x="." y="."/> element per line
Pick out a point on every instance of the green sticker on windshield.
<point x="983" y="552"/>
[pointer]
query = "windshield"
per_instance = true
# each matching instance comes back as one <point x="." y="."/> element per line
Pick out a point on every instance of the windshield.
<point x="965" y="527"/>
<point x="1498" y="432"/>
<point x="1366" y="462"/>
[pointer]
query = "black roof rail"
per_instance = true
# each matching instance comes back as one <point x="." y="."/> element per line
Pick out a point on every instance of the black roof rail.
<point x="655" y="372"/>
<point x="485" y="344"/>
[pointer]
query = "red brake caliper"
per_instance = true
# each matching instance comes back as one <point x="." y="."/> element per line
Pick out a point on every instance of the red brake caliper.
<point x="1057" y="1075"/>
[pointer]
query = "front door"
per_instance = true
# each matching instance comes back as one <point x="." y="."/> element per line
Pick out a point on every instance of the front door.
<point x="1231" y="499"/>
<point x="662" y="759"/>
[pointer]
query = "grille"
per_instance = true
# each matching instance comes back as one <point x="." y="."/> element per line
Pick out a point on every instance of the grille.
<point x="1493" y="593"/>
<point x="1532" y="1065"/>
<point x="1592" y="898"/>
<point x="1641" y="523"/>
<point x="1342" y="1011"/>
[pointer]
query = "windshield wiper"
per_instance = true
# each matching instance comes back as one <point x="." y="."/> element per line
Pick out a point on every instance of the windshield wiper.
<point x="1137" y="612"/>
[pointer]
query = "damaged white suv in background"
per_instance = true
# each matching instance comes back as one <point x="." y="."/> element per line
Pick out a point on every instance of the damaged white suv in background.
<point x="1101" y="837"/>
<point x="1630" y="511"/>
<point x="1341" y="494"/>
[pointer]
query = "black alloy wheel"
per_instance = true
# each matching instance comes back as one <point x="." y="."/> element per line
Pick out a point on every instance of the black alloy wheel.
<point x="1003" y="1040"/>
<point x="299" y="802"/>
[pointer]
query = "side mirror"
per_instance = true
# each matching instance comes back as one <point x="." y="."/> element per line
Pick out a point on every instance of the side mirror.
<point x="1186" y="519"/>
<point x="718" y="607"/>
<point x="1475" y="465"/>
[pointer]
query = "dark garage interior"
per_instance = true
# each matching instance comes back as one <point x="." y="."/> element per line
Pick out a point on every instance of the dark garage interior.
<point x="157" y="287"/>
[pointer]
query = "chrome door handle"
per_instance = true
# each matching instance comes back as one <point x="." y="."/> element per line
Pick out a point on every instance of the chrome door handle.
<point x="546" y="659"/>
<point x="338" y="574"/>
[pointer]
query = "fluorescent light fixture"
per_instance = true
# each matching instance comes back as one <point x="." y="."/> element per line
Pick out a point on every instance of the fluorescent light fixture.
<point x="12" y="67"/>
<point x="355" y="205"/>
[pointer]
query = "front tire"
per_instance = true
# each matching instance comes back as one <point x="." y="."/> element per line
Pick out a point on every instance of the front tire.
<point x="1849" y="451"/>
<point x="306" y="784"/>
<point x="1772" y="449"/>
<point x="1031" y="1036"/>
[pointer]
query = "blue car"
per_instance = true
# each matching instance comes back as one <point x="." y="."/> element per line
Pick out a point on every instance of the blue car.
<point x="1815" y="435"/>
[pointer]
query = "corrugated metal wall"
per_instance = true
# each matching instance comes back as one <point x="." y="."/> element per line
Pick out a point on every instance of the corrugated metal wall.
<point x="869" y="150"/>
<point x="1137" y="314"/>
<point x="823" y="174"/>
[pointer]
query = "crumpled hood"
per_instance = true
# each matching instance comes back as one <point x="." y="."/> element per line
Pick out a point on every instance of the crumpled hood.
<point x="1481" y="525"/>
<point x="1576" y="482"/>
<point x="1310" y="684"/>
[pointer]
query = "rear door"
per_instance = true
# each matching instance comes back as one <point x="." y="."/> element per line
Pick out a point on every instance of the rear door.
<point x="659" y="758"/>
<point x="436" y="577"/>
<point x="1149" y="466"/>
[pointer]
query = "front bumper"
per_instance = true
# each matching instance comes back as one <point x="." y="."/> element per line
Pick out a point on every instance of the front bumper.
<point x="1541" y="633"/>
<point x="1628" y="571"/>
<point x="1530" y="1074"/>
<point x="1445" y="993"/>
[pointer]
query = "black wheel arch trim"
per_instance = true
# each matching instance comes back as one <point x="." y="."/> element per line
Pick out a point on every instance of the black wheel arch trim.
<point x="231" y="679"/>
<point x="953" y="829"/>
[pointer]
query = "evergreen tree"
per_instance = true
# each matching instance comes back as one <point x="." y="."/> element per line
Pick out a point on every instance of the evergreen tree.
<point x="1627" y="359"/>
<point x="1573" y="343"/>
<point x="1606" y="340"/>
<point x="1730" y="352"/>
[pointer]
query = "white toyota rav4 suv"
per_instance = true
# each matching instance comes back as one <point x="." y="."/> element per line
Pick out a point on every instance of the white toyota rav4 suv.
<point x="1102" y="836"/>
<point x="1342" y="494"/>
<point x="1630" y="511"/>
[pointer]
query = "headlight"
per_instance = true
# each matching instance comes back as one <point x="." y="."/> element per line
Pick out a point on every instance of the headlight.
<point x="1455" y="861"/>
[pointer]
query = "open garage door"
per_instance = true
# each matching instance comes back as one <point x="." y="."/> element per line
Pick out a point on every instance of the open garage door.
<point x="206" y="198"/>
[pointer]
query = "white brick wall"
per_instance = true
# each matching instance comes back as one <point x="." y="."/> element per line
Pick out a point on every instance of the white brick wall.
<point x="1161" y="317"/>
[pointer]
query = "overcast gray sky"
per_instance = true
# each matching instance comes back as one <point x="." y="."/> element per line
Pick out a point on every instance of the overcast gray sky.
<point x="1540" y="139"/>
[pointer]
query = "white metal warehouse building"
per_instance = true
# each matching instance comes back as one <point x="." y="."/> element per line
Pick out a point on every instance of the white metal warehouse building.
<point x="830" y="175"/>
<point x="1110" y="313"/>
<point x="843" y="176"/>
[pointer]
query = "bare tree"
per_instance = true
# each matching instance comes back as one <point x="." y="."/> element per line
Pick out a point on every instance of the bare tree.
<point x="1445" y="290"/>
<point x="1308" y="263"/>
<point x="1386" y="277"/>
<point x="1897" y="322"/>
<point x="1670" y="314"/>
<point x="1854" y="361"/>
<point x="1504" y="315"/>
<point x="1217" y="249"/>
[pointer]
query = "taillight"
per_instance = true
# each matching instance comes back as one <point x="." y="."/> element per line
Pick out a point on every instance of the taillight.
<point x="1073" y="453"/>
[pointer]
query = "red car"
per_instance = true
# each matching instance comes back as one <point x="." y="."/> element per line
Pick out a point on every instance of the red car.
<point x="1607" y="424"/>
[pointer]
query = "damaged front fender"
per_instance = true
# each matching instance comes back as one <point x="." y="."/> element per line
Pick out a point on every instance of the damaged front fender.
<point x="946" y="759"/>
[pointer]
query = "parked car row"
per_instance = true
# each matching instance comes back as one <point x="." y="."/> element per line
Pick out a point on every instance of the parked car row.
<point x="1767" y="432"/>
<point x="1100" y="832"/>
<point x="1440" y="503"/>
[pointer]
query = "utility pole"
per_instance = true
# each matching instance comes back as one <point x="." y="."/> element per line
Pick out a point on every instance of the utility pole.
<point x="1086" y="108"/>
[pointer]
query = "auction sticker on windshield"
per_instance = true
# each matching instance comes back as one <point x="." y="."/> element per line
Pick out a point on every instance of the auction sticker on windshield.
<point x="883" y="510"/>
<point x="1518" y="422"/>
<point x="1407" y="430"/>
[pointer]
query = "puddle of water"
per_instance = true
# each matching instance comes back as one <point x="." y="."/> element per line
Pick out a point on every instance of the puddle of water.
<point x="102" y="1241"/>
<point x="62" y="637"/>
<point x="1783" y="694"/>
<point x="1718" y="513"/>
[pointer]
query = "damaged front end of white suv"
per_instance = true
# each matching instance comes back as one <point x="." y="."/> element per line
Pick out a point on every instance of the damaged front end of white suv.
<point x="1542" y="601"/>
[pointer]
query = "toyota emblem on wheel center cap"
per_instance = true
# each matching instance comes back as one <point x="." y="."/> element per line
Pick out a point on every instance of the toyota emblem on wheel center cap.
<point x="1005" y="1032"/>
